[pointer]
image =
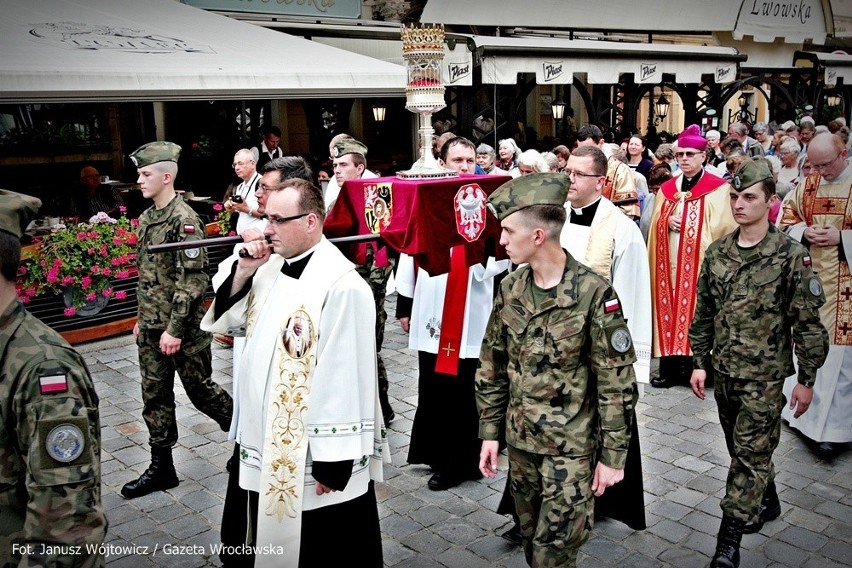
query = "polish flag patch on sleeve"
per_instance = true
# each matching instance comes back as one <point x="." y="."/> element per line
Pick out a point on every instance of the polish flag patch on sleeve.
<point x="189" y="228"/>
<point x="53" y="384"/>
<point x="611" y="305"/>
<point x="806" y="261"/>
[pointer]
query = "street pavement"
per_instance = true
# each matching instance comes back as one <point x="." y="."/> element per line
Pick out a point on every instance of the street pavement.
<point x="683" y="455"/>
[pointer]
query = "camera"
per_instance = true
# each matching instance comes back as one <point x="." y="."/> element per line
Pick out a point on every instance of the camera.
<point x="236" y="199"/>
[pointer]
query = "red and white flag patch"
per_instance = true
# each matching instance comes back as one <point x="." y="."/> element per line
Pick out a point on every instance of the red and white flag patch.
<point x="53" y="384"/>
<point x="611" y="305"/>
<point x="189" y="228"/>
<point x="806" y="261"/>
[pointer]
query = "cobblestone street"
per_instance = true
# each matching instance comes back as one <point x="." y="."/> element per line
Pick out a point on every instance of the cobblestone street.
<point x="683" y="455"/>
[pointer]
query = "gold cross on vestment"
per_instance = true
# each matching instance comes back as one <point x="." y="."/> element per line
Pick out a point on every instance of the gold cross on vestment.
<point x="448" y="349"/>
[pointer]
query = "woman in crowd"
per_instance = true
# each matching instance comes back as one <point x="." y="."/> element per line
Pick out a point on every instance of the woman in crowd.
<point x="638" y="157"/>
<point x="791" y="172"/>
<point x="508" y="152"/>
<point x="761" y="134"/>
<point x="531" y="162"/>
<point x="562" y="154"/>
<point x="485" y="156"/>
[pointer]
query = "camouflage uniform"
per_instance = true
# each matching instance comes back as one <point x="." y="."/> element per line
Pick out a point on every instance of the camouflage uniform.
<point x="50" y="448"/>
<point x="377" y="278"/>
<point x="749" y="314"/>
<point x="560" y="377"/>
<point x="171" y="291"/>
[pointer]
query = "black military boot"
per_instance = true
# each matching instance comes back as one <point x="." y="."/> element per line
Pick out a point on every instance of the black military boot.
<point x="159" y="476"/>
<point x="728" y="544"/>
<point x="770" y="509"/>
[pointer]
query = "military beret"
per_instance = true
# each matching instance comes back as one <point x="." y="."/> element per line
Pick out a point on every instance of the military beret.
<point x="16" y="211"/>
<point x="751" y="172"/>
<point x="525" y="191"/>
<point x="348" y="146"/>
<point x="154" y="152"/>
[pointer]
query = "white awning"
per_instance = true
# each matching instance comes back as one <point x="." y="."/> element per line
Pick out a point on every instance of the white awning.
<point x="836" y="65"/>
<point x="555" y="61"/>
<point x="130" y="50"/>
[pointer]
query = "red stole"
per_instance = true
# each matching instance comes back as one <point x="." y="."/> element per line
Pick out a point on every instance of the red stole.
<point x="675" y="303"/>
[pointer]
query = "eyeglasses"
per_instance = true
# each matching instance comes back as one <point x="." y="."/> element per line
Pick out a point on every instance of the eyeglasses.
<point x="572" y="173"/>
<point x="686" y="154"/>
<point x="281" y="220"/>
<point x="264" y="187"/>
<point x="235" y="164"/>
<point x="826" y="164"/>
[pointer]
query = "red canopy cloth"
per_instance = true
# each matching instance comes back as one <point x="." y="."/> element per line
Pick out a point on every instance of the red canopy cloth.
<point x="422" y="218"/>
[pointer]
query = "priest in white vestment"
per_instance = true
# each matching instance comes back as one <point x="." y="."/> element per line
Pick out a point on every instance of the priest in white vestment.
<point x="306" y="416"/>
<point x="599" y="235"/>
<point x="445" y="433"/>
<point x="819" y="214"/>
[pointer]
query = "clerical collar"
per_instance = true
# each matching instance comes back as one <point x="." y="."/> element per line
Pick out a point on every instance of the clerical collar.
<point x="293" y="267"/>
<point x="584" y="215"/>
<point x="690" y="182"/>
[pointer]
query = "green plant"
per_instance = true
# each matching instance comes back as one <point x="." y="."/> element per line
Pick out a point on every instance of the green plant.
<point x="222" y="222"/>
<point x="82" y="256"/>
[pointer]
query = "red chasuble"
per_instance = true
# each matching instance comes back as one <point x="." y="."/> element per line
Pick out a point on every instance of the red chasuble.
<point x="675" y="305"/>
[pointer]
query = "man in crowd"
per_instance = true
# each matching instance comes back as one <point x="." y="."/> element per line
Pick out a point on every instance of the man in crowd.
<point x="445" y="430"/>
<point x="739" y="132"/>
<point x="807" y="129"/>
<point x="556" y="372"/>
<point x="269" y="149"/>
<point x="94" y="196"/>
<point x="350" y="163"/>
<point x="172" y="285"/>
<point x="620" y="183"/>
<point x="819" y="214"/>
<point x="310" y="419"/>
<point x="243" y="200"/>
<point x="690" y="212"/>
<point x="50" y="434"/>
<point x="757" y="298"/>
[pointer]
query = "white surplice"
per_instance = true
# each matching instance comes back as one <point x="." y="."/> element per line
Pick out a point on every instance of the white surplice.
<point x="428" y="293"/>
<point x="614" y="248"/>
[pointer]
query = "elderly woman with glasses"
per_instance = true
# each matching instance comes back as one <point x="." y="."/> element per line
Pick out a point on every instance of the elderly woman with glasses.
<point x="791" y="172"/>
<point x="763" y="137"/>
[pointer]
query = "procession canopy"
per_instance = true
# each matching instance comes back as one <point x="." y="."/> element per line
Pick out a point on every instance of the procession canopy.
<point x="420" y="217"/>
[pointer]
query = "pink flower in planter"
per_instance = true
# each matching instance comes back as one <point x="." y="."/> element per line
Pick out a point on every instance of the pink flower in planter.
<point x="70" y="312"/>
<point x="91" y="297"/>
<point x="86" y="282"/>
<point x="106" y="292"/>
<point x="68" y="280"/>
<point x="121" y="295"/>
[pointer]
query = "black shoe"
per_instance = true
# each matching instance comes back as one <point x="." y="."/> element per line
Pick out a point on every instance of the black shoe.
<point x="770" y="509"/>
<point x="827" y="451"/>
<point x="159" y="476"/>
<point x="728" y="544"/>
<point x="442" y="481"/>
<point x="513" y="536"/>
<point x="662" y="383"/>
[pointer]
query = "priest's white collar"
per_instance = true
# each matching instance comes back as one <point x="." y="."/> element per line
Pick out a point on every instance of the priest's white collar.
<point x="579" y="211"/>
<point x="299" y="257"/>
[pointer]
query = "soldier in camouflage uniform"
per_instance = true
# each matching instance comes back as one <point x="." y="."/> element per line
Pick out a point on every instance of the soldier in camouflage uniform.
<point x="556" y="369"/>
<point x="50" y="434"/>
<point x="171" y="292"/>
<point x="757" y="297"/>
<point x="350" y="162"/>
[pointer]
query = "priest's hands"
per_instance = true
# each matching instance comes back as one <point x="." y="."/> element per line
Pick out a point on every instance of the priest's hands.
<point x="405" y="323"/>
<point x="323" y="489"/>
<point x="488" y="458"/>
<point x="823" y="236"/>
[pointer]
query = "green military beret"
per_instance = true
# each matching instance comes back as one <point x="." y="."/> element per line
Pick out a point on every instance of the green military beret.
<point x="751" y="172"/>
<point x="154" y="152"/>
<point x="348" y="146"/>
<point x="525" y="191"/>
<point x="16" y="211"/>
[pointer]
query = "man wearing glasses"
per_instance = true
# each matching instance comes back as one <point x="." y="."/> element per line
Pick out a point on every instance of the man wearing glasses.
<point x="690" y="212"/>
<point x="243" y="200"/>
<point x="819" y="214"/>
<point x="306" y="418"/>
<point x="620" y="183"/>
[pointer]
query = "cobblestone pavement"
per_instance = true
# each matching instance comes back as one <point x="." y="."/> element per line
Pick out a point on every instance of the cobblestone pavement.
<point x="684" y="460"/>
